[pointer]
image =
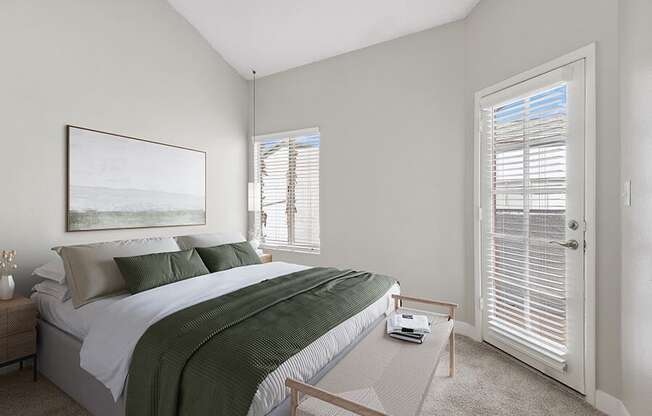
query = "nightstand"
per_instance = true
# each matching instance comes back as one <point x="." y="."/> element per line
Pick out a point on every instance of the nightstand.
<point x="265" y="258"/>
<point x="17" y="332"/>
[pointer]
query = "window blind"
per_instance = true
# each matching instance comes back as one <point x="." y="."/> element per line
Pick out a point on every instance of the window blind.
<point x="287" y="187"/>
<point x="525" y="186"/>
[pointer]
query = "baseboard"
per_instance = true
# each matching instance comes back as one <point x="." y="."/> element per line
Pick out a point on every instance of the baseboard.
<point x="466" y="329"/>
<point x="610" y="405"/>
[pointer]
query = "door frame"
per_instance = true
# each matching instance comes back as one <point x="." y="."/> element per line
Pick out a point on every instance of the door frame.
<point x="588" y="54"/>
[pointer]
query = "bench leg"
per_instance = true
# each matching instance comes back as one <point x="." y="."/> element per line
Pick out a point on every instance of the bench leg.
<point x="451" y="353"/>
<point x="294" y="401"/>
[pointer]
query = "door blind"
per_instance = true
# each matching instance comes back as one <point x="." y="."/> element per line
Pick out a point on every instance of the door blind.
<point x="287" y="183"/>
<point x="525" y="183"/>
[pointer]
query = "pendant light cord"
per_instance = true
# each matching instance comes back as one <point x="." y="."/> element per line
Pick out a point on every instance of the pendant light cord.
<point x="254" y="73"/>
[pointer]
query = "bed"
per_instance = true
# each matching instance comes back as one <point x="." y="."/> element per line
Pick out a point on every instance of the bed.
<point x="87" y="351"/>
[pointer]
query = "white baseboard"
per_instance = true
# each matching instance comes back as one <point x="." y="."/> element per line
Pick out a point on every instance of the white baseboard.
<point x="466" y="329"/>
<point x="609" y="404"/>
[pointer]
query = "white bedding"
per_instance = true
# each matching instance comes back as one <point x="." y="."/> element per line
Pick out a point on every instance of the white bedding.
<point x="63" y="315"/>
<point x="108" y="346"/>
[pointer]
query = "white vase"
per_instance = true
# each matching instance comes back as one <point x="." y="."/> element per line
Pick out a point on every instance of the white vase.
<point x="6" y="287"/>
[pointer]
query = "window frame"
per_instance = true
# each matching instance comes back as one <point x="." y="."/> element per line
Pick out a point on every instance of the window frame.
<point x="257" y="193"/>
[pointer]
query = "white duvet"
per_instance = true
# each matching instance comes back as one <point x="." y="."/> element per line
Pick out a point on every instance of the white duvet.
<point x="107" y="349"/>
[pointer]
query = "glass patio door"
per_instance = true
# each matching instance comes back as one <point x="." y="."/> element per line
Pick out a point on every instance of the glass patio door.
<point x="532" y="246"/>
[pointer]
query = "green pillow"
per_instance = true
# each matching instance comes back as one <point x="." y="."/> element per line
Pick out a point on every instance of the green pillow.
<point x="228" y="256"/>
<point x="158" y="269"/>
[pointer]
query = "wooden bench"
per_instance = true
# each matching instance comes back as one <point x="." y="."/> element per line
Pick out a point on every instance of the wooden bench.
<point x="381" y="376"/>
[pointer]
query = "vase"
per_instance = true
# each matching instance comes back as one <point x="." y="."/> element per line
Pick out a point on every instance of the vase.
<point x="6" y="287"/>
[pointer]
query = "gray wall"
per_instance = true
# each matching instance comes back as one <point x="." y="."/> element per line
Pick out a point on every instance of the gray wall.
<point x="131" y="67"/>
<point x="393" y="157"/>
<point x="636" y="137"/>
<point x="504" y="38"/>
<point x="397" y="145"/>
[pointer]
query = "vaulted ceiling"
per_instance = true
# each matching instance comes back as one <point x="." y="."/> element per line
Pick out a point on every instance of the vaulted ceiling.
<point x="275" y="35"/>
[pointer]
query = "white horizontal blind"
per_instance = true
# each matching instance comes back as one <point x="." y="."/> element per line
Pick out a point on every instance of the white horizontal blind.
<point x="287" y="180"/>
<point x="525" y="175"/>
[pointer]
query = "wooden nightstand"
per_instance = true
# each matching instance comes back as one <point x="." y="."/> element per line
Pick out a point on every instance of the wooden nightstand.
<point x="17" y="332"/>
<point x="265" y="258"/>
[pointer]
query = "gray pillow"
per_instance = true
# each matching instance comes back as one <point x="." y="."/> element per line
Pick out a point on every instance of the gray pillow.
<point x="92" y="274"/>
<point x="208" y="240"/>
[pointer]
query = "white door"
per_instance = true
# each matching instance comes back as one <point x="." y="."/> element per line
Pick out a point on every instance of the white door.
<point x="532" y="225"/>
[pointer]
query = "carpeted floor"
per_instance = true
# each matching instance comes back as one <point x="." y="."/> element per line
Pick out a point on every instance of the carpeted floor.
<point x="487" y="383"/>
<point x="20" y="396"/>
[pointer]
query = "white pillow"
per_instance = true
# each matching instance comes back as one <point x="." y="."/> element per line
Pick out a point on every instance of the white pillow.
<point x="52" y="270"/>
<point x="186" y="242"/>
<point x="54" y="289"/>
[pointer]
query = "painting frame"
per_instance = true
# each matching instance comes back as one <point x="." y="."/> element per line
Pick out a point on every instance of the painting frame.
<point x="69" y="225"/>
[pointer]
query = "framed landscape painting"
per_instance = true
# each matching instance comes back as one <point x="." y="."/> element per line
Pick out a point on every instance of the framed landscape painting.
<point x="118" y="182"/>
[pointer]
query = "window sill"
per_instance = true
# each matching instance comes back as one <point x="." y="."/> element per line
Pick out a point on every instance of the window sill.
<point x="289" y="249"/>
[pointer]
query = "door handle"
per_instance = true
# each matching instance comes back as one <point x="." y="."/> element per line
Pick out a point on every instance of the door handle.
<point x="572" y="244"/>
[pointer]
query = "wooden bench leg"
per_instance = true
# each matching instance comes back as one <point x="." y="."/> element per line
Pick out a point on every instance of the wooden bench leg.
<point x="294" y="401"/>
<point x="451" y="344"/>
<point x="451" y="353"/>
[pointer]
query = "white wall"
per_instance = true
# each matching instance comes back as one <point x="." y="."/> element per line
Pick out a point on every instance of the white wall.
<point x="393" y="157"/>
<point x="636" y="139"/>
<point x="506" y="37"/>
<point x="397" y="146"/>
<point x="131" y="67"/>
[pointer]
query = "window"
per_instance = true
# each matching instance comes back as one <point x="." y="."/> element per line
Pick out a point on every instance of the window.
<point x="527" y="144"/>
<point x="286" y="190"/>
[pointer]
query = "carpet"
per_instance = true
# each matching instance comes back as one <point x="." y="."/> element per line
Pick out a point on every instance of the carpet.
<point x="489" y="382"/>
<point x="20" y="396"/>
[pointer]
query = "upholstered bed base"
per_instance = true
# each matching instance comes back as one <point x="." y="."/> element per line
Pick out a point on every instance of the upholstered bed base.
<point x="58" y="355"/>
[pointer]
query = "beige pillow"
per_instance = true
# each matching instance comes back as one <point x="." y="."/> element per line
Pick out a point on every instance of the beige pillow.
<point x="91" y="272"/>
<point x="186" y="242"/>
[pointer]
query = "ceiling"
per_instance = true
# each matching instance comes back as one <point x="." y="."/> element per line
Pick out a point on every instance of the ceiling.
<point x="274" y="35"/>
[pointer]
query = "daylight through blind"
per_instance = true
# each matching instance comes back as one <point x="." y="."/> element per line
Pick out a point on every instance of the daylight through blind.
<point x="525" y="173"/>
<point x="287" y="183"/>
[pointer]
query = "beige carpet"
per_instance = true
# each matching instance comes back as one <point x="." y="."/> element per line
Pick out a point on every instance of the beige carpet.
<point x="20" y="396"/>
<point x="487" y="383"/>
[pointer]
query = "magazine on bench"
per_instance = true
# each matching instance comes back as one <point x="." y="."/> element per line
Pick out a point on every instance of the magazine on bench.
<point x="408" y="326"/>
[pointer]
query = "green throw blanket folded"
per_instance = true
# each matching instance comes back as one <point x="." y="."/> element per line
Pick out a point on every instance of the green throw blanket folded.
<point x="209" y="359"/>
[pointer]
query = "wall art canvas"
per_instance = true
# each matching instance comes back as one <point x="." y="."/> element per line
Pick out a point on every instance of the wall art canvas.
<point x="117" y="182"/>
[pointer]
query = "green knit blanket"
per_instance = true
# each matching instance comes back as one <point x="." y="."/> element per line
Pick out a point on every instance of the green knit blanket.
<point x="209" y="359"/>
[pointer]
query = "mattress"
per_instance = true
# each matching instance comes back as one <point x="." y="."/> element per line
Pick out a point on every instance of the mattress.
<point x="63" y="315"/>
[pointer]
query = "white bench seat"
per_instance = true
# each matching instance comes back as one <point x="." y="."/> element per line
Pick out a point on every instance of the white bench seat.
<point x="381" y="375"/>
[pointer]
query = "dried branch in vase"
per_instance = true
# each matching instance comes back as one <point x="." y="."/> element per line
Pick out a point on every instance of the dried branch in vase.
<point x="8" y="262"/>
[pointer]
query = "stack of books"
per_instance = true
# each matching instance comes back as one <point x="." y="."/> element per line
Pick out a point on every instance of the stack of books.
<point x="408" y="327"/>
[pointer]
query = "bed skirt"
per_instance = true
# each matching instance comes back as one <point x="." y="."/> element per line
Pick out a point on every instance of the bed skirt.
<point x="58" y="355"/>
